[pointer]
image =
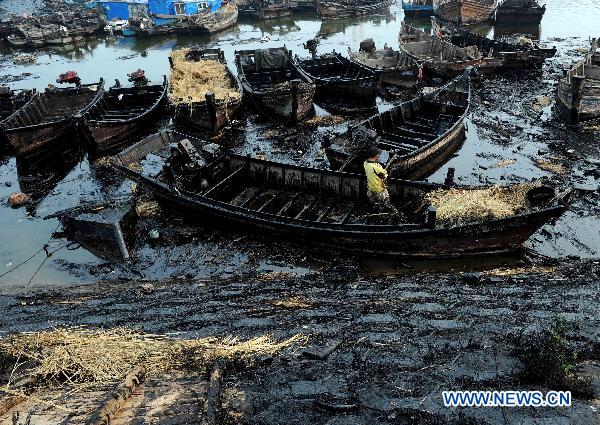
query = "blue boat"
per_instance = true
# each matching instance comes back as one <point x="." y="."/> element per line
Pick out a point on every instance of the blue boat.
<point x="417" y="7"/>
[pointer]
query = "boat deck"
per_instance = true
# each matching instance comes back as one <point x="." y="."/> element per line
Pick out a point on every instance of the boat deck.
<point x="51" y="107"/>
<point x="312" y="207"/>
<point x="124" y="105"/>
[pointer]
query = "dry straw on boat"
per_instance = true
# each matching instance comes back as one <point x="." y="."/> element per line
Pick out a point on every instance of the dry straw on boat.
<point x="191" y="80"/>
<point x="456" y="206"/>
<point x="79" y="355"/>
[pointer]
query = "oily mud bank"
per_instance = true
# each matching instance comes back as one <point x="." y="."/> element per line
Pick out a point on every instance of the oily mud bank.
<point x="379" y="349"/>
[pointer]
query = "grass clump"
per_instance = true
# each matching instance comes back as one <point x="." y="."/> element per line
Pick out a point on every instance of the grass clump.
<point x="550" y="358"/>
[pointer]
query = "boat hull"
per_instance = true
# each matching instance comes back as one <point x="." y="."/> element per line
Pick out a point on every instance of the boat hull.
<point x="210" y="115"/>
<point x="49" y="117"/>
<point x="198" y="116"/>
<point x="339" y="10"/>
<point x="466" y="12"/>
<point x="277" y="87"/>
<point x="520" y="15"/>
<point x="26" y="142"/>
<point x="283" y="103"/>
<point x="220" y="204"/>
<point x="578" y="95"/>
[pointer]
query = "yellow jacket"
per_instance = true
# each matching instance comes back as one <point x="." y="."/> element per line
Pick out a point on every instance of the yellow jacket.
<point x="375" y="175"/>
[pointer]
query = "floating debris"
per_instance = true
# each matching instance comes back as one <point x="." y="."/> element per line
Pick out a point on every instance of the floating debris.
<point x="147" y="209"/>
<point x="551" y="166"/>
<point x="504" y="163"/>
<point x="18" y="199"/>
<point x="325" y="120"/>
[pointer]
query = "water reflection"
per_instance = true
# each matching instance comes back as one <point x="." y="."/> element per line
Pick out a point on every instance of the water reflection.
<point x="39" y="178"/>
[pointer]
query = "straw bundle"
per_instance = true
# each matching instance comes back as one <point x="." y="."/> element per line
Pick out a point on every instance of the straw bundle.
<point x="191" y="80"/>
<point x="457" y="206"/>
<point x="79" y="355"/>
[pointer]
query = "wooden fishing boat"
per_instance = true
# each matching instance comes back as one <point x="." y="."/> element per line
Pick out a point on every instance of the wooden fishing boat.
<point x="199" y="24"/>
<point x="465" y="12"/>
<point x="211" y="114"/>
<point x="12" y="100"/>
<point x="49" y="117"/>
<point x="527" y="54"/>
<point x="322" y="207"/>
<point x="396" y="68"/>
<point x="124" y="112"/>
<point x="266" y="9"/>
<point x="344" y="9"/>
<point x="528" y="12"/>
<point x="578" y="93"/>
<point x="338" y="77"/>
<point x="415" y="8"/>
<point x="441" y="58"/>
<point x="272" y="81"/>
<point x="416" y="137"/>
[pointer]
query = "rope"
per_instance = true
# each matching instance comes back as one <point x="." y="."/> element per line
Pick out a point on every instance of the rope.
<point x="48" y="255"/>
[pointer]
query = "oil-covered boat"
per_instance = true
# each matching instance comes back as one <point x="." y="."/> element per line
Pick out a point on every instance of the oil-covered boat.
<point x="274" y="84"/>
<point x="322" y="207"/>
<point x="520" y="53"/>
<point x="213" y="108"/>
<point x="338" y="77"/>
<point x="458" y="49"/>
<point x="441" y="58"/>
<point x="266" y="9"/>
<point x="465" y="12"/>
<point x="396" y="68"/>
<point x="528" y="12"/>
<point x="124" y="112"/>
<point x="578" y="92"/>
<point x="416" y="137"/>
<point x="50" y="116"/>
<point x="344" y="9"/>
<point x="12" y="100"/>
<point x="207" y="23"/>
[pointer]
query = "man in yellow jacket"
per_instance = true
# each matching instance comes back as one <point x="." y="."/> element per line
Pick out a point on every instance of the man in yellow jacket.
<point x="377" y="191"/>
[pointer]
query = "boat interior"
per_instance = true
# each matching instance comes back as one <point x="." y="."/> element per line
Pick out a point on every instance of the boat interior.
<point x="416" y="123"/>
<point x="263" y="74"/>
<point x="304" y="194"/>
<point x="333" y="66"/>
<point x="125" y="103"/>
<point x="384" y="59"/>
<point x="53" y="105"/>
